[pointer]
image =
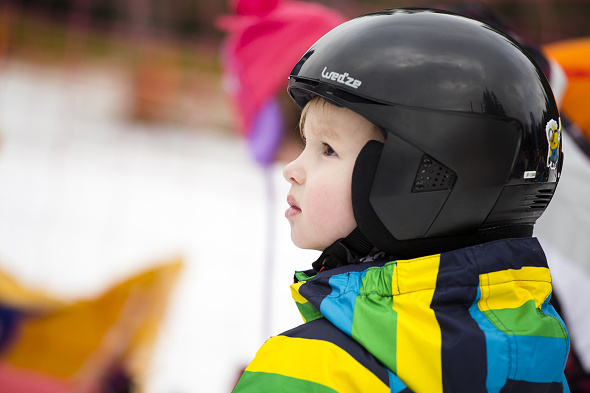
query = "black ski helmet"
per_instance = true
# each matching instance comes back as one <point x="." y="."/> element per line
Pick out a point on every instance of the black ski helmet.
<point x="473" y="134"/>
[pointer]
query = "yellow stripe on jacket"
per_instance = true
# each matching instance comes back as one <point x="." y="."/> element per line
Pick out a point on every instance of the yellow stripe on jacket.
<point x="317" y="361"/>
<point x="418" y="331"/>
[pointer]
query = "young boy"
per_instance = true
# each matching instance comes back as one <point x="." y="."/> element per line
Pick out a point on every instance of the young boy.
<point x="426" y="163"/>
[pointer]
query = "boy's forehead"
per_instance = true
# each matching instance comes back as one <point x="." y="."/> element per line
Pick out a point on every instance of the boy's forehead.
<point x="319" y="121"/>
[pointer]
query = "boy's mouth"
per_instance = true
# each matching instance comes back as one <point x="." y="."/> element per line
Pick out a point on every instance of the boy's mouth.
<point x="293" y="209"/>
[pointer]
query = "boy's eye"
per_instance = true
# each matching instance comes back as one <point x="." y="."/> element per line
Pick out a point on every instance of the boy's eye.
<point x="328" y="151"/>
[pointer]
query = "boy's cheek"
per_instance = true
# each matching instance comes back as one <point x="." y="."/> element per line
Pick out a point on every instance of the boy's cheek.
<point x="333" y="224"/>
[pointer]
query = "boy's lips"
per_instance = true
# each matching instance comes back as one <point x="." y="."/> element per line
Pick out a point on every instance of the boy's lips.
<point x="293" y="209"/>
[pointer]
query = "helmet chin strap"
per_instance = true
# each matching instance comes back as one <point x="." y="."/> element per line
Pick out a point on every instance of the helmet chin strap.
<point x="345" y="251"/>
<point x="358" y="243"/>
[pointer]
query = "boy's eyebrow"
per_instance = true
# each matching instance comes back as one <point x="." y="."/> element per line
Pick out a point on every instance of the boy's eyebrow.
<point x="328" y="133"/>
<point x="322" y="132"/>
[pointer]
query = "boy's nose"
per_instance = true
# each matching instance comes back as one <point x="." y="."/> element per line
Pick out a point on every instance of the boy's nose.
<point x="293" y="172"/>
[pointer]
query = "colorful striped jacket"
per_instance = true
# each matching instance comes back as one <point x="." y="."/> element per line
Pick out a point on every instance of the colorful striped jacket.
<point x="476" y="319"/>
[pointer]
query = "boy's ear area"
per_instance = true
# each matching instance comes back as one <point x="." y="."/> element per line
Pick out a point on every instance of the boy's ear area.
<point x="410" y="212"/>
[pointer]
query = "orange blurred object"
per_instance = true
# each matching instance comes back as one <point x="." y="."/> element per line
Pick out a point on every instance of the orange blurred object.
<point x="574" y="57"/>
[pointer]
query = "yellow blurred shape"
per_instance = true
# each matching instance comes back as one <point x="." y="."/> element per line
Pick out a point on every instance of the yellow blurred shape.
<point x="80" y="343"/>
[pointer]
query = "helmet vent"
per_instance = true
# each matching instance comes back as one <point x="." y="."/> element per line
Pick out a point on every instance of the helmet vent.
<point x="541" y="199"/>
<point x="433" y="176"/>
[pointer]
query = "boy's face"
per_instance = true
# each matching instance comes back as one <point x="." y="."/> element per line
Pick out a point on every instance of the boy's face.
<point x="320" y="201"/>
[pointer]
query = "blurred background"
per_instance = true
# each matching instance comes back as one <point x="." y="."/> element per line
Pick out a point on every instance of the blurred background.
<point x="120" y="154"/>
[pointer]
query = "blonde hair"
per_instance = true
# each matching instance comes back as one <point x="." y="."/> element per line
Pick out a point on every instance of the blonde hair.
<point x="305" y="109"/>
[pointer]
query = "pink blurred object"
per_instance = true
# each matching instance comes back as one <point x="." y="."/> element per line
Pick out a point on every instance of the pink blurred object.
<point x="265" y="40"/>
<point x="18" y="380"/>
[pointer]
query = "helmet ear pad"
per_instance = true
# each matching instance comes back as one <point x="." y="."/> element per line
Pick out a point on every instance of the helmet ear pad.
<point x="369" y="223"/>
<point x="383" y="176"/>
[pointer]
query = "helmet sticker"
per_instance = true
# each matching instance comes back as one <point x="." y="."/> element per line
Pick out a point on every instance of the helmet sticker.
<point x="553" y="132"/>
<point x="343" y="78"/>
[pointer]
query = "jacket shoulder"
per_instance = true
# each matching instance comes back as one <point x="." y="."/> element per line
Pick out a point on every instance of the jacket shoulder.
<point x="314" y="357"/>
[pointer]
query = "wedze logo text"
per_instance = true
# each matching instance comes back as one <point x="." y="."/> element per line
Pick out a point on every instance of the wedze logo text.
<point x="341" y="78"/>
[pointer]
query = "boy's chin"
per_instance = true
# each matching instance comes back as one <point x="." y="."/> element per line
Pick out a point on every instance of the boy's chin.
<point x="306" y="244"/>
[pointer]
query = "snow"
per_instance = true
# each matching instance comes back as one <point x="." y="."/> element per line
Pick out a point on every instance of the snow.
<point x="88" y="198"/>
